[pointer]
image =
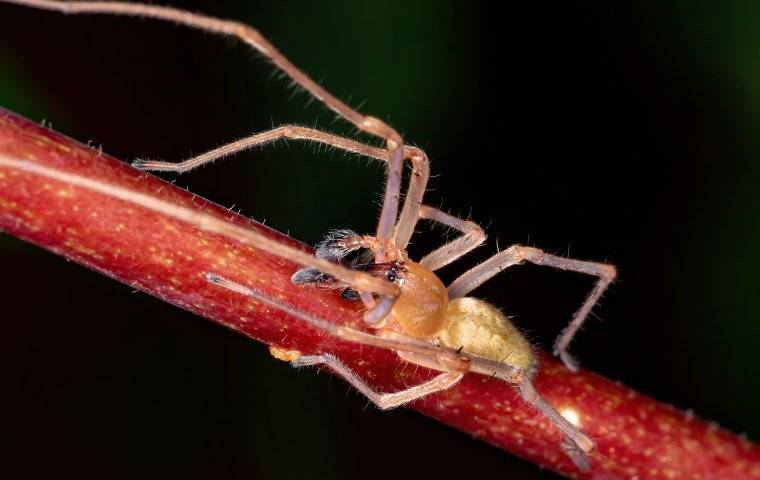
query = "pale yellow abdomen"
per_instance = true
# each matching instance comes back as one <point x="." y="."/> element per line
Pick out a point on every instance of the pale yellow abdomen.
<point x="481" y="329"/>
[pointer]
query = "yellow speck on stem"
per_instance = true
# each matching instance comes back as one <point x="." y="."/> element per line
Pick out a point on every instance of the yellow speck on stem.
<point x="8" y="205"/>
<point x="43" y="140"/>
<point x="83" y="250"/>
<point x="284" y="354"/>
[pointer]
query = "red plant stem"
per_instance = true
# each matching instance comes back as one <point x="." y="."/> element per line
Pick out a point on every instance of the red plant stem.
<point x="636" y="435"/>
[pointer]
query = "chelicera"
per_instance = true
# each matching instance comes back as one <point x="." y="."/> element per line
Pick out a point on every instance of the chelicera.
<point x="408" y="307"/>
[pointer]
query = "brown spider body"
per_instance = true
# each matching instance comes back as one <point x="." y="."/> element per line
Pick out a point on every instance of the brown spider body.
<point x="420" y="309"/>
<point x="424" y="311"/>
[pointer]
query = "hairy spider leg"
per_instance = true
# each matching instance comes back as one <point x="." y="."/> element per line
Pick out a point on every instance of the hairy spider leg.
<point x="410" y="212"/>
<point x="360" y="281"/>
<point x="472" y="237"/>
<point x="447" y="361"/>
<point x="382" y="249"/>
<point x="251" y="37"/>
<point x="517" y="254"/>
<point x="244" y="33"/>
<point x="447" y="358"/>
<point x="384" y="401"/>
<point x="288" y="132"/>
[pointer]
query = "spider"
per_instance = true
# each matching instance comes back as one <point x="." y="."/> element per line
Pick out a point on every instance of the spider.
<point x="407" y="306"/>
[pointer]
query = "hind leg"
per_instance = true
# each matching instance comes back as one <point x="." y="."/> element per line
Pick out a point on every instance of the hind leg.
<point x="518" y="254"/>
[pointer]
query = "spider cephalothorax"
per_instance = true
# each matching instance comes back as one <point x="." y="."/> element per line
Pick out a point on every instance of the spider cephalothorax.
<point x="424" y="310"/>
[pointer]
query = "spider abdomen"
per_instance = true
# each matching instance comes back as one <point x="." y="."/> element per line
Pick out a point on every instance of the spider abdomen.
<point x="479" y="328"/>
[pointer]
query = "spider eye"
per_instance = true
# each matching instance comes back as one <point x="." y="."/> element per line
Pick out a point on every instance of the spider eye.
<point x="395" y="273"/>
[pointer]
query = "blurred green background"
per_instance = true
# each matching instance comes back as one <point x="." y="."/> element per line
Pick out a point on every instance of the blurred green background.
<point x="628" y="133"/>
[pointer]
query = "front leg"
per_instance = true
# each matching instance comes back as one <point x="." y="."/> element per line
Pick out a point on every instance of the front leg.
<point x="518" y="254"/>
<point x="472" y="237"/>
<point x="384" y="401"/>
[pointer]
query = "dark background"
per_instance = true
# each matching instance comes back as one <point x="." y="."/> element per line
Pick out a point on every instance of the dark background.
<point x="620" y="133"/>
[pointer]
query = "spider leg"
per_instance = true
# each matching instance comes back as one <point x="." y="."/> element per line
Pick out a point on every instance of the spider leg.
<point x="394" y="159"/>
<point x="290" y="132"/>
<point x="231" y="28"/>
<point x="576" y="444"/>
<point x="517" y="254"/>
<point x="389" y="212"/>
<point x="472" y="237"/>
<point x="384" y="401"/>
<point x="254" y="39"/>
<point x="449" y="359"/>
<point x="211" y="223"/>
<point x="410" y="212"/>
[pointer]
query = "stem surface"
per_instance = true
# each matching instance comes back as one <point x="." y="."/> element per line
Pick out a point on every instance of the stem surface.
<point x="636" y="436"/>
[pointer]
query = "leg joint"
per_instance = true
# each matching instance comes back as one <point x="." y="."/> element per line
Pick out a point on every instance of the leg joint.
<point x="520" y="253"/>
<point x="474" y="231"/>
<point x="375" y="126"/>
<point x="609" y="272"/>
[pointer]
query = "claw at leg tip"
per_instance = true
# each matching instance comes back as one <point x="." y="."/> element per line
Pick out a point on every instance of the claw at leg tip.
<point x="138" y="163"/>
<point x="567" y="360"/>
<point x="579" y="458"/>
